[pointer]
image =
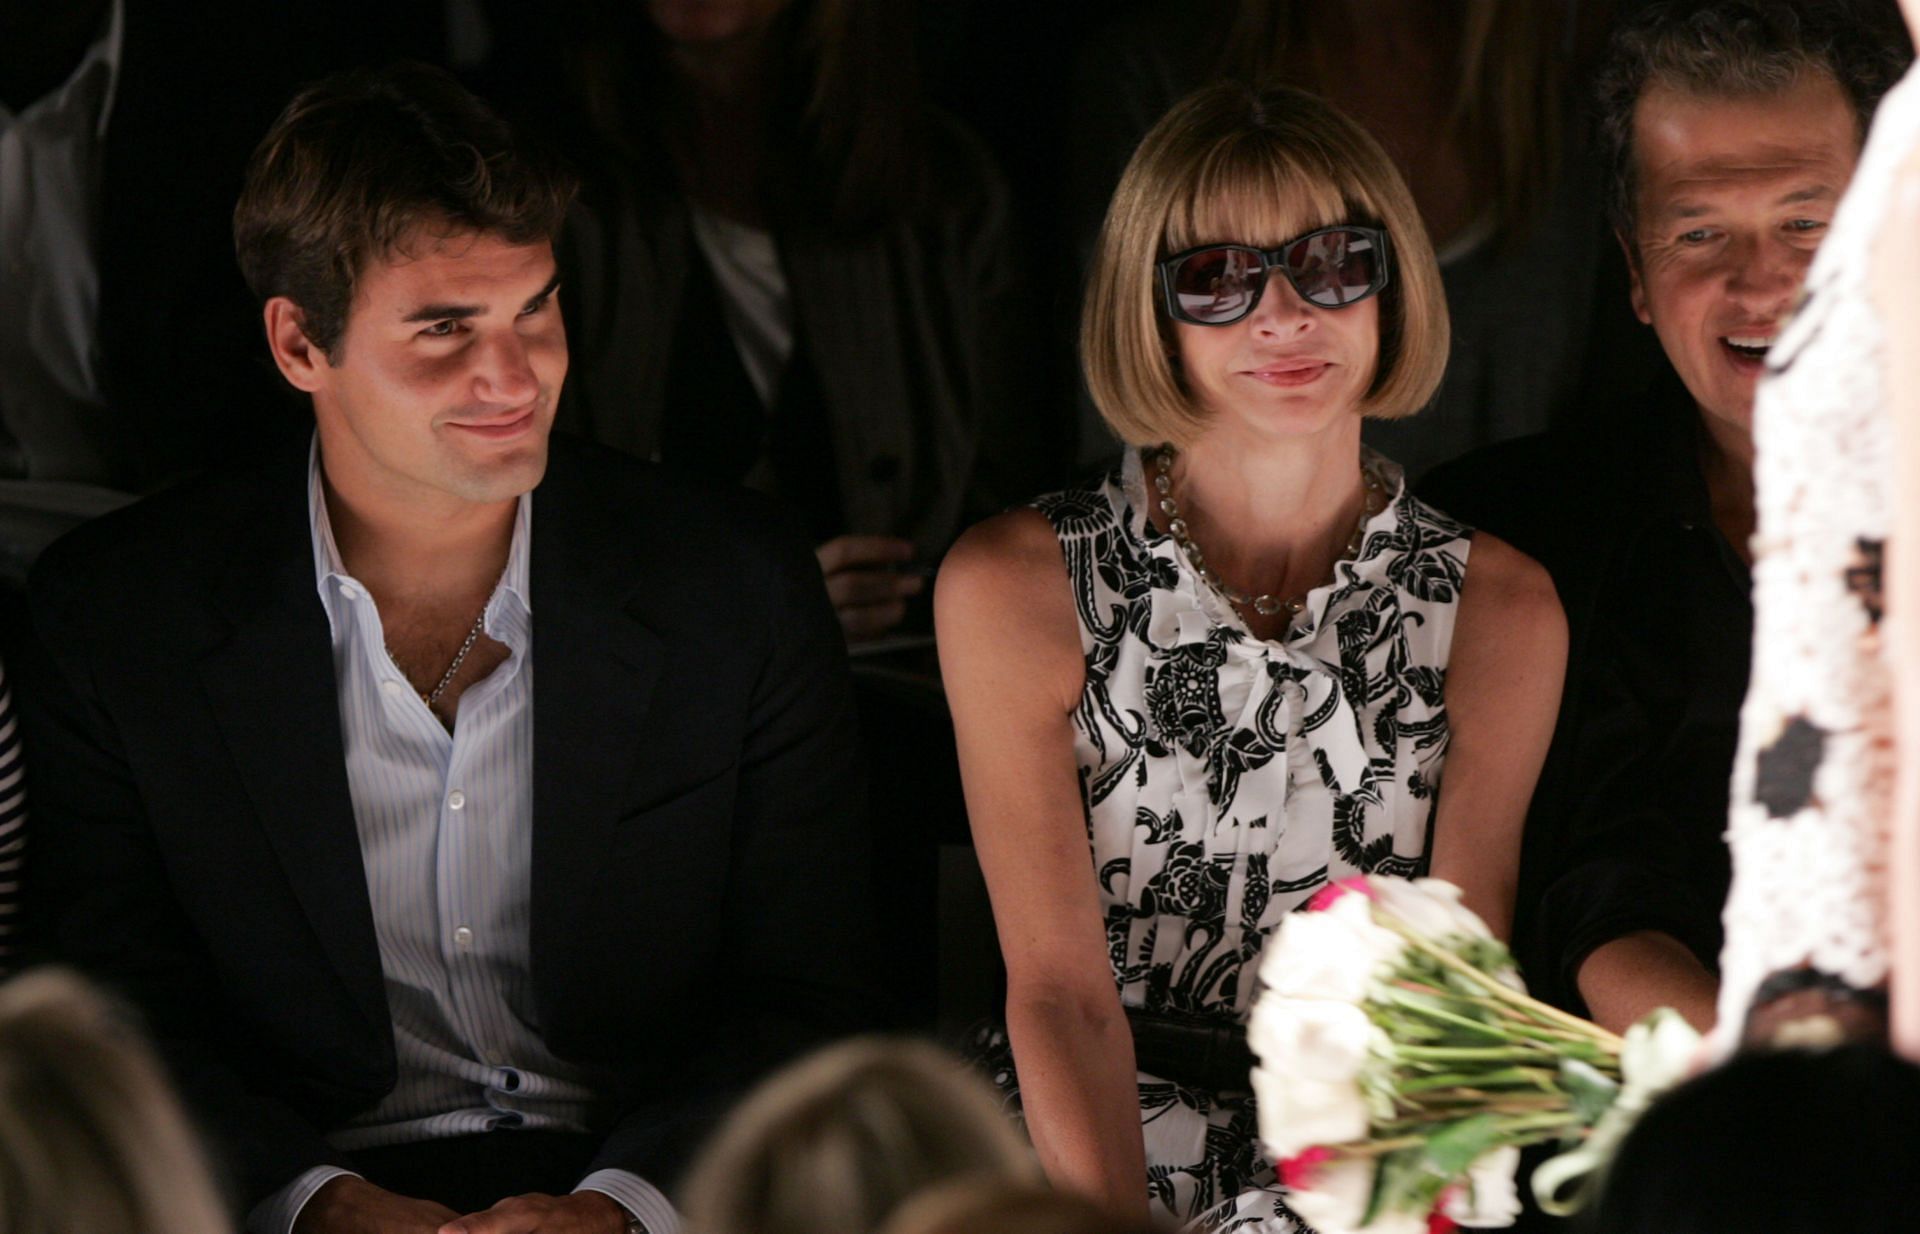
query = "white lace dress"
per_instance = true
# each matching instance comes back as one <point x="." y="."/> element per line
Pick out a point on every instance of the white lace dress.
<point x="1226" y="778"/>
<point x="1813" y="781"/>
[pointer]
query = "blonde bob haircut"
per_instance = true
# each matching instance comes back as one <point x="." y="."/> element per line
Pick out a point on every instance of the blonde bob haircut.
<point x="92" y="1138"/>
<point x="1233" y="165"/>
<point x="837" y="1141"/>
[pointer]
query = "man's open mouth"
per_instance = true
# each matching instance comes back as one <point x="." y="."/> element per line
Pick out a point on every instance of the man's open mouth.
<point x="1753" y="347"/>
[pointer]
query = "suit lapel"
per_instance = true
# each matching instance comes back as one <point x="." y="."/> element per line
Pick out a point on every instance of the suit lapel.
<point x="595" y="667"/>
<point x="271" y="685"/>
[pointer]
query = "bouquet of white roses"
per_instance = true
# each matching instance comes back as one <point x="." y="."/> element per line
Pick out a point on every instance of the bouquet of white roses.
<point x="1402" y="1066"/>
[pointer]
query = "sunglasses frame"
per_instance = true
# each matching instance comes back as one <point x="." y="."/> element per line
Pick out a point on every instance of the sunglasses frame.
<point x="1271" y="260"/>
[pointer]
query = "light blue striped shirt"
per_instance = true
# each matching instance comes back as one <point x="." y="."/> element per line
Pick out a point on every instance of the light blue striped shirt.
<point x="446" y="835"/>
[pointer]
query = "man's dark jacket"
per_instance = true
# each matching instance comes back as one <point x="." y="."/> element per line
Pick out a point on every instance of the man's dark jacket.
<point x="699" y="859"/>
<point x="1624" y="833"/>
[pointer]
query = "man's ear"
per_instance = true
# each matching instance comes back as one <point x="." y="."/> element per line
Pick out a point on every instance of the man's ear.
<point x="1636" y="285"/>
<point x="301" y="362"/>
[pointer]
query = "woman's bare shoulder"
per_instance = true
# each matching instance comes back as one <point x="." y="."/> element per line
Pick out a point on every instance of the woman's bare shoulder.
<point x="1501" y="577"/>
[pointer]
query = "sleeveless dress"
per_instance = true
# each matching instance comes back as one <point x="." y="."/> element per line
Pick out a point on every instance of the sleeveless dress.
<point x="1226" y="778"/>
<point x="1813" y="781"/>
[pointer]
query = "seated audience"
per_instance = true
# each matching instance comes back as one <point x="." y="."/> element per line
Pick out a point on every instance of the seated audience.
<point x="92" y="1139"/>
<point x="836" y="1142"/>
<point x="419" y="938"/>
<point x="1230" y="730"/>
<point x="795" y="275"/>
<point x="1730" y="129"/>
<point x="1476" y="103"/>
<point x="975" y="1206"/>
<point x="1787" y="1141"/>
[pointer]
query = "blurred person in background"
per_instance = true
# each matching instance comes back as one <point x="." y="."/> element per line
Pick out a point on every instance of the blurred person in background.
<point x="792" y="273"/>
<point x="839" y="1140"/>
<point x="92" y="1139"/>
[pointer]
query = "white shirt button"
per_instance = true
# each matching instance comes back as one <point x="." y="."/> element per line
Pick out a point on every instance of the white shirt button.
<point x="463" y="939"/>
<point x="395" y="688"/>
<point x="456" y="800"/>
<point x="349" y="592"/>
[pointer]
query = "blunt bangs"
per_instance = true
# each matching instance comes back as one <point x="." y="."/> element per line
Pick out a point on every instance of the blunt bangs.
<point x="1232" y="165"/>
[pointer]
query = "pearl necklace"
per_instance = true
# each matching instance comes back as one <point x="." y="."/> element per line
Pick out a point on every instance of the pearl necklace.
<point x="1372" y="502"/>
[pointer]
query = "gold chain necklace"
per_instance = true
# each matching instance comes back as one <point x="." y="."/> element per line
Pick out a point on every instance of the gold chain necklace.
<point x="1265" y="604"/>
<point x="430" y="697"/>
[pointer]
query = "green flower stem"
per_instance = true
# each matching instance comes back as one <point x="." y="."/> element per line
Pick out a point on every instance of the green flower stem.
<point x="1532" y="1077"/>
<point x="1517" y="1053"/>
<point x="1448" y="1017"/>
<point x="1552" y="1015"/>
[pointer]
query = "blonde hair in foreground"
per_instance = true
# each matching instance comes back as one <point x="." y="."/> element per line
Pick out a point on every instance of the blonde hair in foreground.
<point x="836" y="1141"/>
<point x="975" y="1206"/>
<point x="92" y="1140"/>
<point x="1233" y="165"/>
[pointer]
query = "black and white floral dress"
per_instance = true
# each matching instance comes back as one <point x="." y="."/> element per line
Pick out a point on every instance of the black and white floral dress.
<point x="1227" y="777"/>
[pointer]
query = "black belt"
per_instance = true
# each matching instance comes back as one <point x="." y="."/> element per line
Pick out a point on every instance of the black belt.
<point x="1197" y="1051"/>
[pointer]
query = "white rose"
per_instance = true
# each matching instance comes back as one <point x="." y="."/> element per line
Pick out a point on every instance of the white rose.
<point x="1429" y="906"/>
<point x="1312" y="1038"/>
<point x="1338" y="1200"/>
<point x="1297" y="1113"/>
<point x="1488" y="1199"/>
<point x="1658" y="1052"/>
<point x="1331" y="954"/>
<point x="1338" y="1195"/>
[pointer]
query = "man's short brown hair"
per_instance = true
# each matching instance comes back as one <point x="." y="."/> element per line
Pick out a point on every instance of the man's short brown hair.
<point x="1735" y="49"/>
<point x="357" y="165"/>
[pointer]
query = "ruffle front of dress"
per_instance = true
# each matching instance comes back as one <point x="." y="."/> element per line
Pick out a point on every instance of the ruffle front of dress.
<point x="1228" y="776"/>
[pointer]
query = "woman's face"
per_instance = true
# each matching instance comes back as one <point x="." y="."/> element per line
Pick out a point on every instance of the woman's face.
<point x="712" y="21"/>
<point x="1288" y="368"/>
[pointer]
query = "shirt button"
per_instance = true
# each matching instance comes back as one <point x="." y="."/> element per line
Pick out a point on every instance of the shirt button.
<point x="349" y="592"/>
<point x="456" y="800"/>
<point x="394" y="689"/>
<point x="463" y="939"/>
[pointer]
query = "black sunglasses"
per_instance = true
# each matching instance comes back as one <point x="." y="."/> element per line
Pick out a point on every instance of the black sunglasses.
<point x="1218" y="284"/>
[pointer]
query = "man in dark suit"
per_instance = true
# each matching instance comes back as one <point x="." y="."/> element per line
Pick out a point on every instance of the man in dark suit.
<point x="416" y="935"/>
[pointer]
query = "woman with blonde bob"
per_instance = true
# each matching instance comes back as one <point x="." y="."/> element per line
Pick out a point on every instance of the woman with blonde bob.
<point x="837" y="1141"/>
<point x="1236" y="667"/>
<point x="92" y="1138"/>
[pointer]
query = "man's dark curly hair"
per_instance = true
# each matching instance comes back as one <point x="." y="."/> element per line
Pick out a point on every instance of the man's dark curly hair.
<point x="364" y="162"/>
<point x="1735" y="49"/>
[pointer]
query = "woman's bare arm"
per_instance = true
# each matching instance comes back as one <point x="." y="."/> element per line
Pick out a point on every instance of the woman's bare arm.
<point x="1011" y="660"/>
<point x="1504" y="676"/>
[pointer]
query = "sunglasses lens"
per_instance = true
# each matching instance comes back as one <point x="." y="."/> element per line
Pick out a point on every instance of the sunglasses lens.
<point x="1215" y="286"/>
<point x="1335" y="268"/>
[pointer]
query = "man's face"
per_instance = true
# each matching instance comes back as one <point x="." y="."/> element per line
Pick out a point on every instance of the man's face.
<point x="447" y="374"/>
<point x="1734" y="196"/>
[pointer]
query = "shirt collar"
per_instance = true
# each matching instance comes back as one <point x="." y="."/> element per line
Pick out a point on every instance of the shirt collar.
<point x="507" y="612"/>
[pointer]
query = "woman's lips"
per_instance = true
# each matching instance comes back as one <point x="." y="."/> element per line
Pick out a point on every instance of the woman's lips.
<point x="1290" y="372"/>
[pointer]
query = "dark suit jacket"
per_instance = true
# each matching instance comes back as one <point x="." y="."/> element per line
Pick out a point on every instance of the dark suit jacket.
<point x="699" y="863"/>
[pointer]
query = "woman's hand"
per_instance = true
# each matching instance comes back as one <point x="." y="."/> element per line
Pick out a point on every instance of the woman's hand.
<point x="867" y="582"/>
